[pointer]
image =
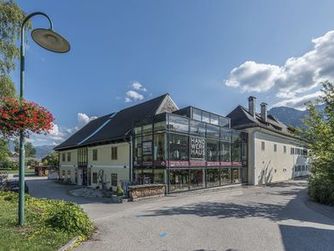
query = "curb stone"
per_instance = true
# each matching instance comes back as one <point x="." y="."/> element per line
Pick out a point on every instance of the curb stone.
<point x="69" y="245"/>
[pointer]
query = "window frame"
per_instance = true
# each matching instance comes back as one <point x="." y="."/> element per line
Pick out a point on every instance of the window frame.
<point x="114" y="153"/>
<point x="95" y="154"/>
<point x="263" y="145"/>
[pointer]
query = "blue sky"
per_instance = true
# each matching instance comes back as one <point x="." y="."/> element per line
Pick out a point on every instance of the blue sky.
<point x="209" y="54"/>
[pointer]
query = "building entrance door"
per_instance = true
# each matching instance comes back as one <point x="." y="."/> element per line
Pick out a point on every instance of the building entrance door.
<point x="84" y="176"/>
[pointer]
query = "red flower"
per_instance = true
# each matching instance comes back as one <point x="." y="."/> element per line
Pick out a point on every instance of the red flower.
<point x="27" y="117"/>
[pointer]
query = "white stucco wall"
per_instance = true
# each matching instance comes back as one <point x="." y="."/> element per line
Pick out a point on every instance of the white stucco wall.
<point x="68" y="167"/>
<point x="266" y="166"/>
<point x="104" y="165"/>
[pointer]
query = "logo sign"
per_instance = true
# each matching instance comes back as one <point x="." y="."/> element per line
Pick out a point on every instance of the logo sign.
<point x="197" y="148"/>
<point x="147" y="148"/>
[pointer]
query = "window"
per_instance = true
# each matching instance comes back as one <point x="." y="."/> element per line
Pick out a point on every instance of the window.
<point x="114" y="152"/>
<point x="178" y="147"/>
<point x="213" y="177"/>
<point x="236" y="152"/>
<point x="225" y="134"/>
<point x="225" y="176"/>
<point x="114" y="179"/>
<point x="224" y="122"/>
<point x="68" y="172"/>
<point x="263" y="146"/>
<point x="68" y="157"/>
<point x="212" y="131"/>
<point x="63" y="157"/>
<point x="63" y="173"/>
<point x="94" y="154"/>
<point x="179" y="180"/>
<point x="138" y="130"/>
<point x="82" y="156"/>
<point x="159" y="146"/>
<point x="225" y="151"/>
<point x="160" y="126"/>
<point x="197" y="127"/>
<point x="206" y="117"/>
<point x="292" y="151"/>
<point x="212" y="150"/>
<point x="214" y="119"/>
<point x="147" y="148"/>
<point x="197" y="114"/>
<point x="95" y="178"/>
<point x="275" y="147"/>
<point x="178" y="123"/>
<point x="284" y="149"/>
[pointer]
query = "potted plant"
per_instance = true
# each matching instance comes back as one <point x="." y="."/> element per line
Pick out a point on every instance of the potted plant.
<point x="119" y="194"/>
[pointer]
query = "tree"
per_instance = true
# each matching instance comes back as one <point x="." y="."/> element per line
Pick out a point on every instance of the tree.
<point x="52" y="159"/>
<point x="320" y="137"/>
<point x="30" y="150"/>
<point x="11" y="17"/>
<point x="4" y="150"/>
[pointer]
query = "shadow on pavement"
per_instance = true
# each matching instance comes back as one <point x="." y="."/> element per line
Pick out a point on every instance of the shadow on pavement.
<point x="296" y="238"/>
<point x="50" y="189"/>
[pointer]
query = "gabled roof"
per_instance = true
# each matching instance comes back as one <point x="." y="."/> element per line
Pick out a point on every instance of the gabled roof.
<point x="114" y="126"/>
<point x="242" y="119"/>
<point x="83" y="133"/>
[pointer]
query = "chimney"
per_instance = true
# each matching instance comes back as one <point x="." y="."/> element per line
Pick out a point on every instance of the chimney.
<point x="251" y="105"/>
<point x="264" y="112"/>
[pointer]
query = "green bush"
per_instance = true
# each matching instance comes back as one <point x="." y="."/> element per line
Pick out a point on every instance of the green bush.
<point x="9" y="165"/>
<point x="321" y="189"/>
<point x="71" y="218"/>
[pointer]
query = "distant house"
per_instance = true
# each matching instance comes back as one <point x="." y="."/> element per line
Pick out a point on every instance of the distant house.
<point x="275" y="153"/>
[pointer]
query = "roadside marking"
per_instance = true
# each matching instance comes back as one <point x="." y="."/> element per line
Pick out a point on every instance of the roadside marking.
<point x="306" y="224"/>
<point x="163" y="234"/>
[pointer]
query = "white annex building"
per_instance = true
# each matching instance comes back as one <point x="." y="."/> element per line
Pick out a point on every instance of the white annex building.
<point x="274" y="152"/>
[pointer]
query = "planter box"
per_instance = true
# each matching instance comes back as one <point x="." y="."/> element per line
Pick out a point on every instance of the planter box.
<point x="146" y="191"/>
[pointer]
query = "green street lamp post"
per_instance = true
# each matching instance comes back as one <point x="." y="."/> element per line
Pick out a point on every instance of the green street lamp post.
<point x="49" y="40"/>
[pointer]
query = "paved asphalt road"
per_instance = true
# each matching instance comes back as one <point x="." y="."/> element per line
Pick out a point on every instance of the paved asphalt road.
<point x="278" y="217"/>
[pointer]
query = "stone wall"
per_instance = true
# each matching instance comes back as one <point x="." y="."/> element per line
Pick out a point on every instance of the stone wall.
<point x="146" y="191"/>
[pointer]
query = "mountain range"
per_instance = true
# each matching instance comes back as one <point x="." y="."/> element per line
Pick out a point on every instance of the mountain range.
<point x="291" y="116"/>
<point x="42" y="151"/>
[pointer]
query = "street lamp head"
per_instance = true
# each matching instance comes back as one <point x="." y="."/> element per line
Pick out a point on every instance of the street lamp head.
<point x="50" y="40"/>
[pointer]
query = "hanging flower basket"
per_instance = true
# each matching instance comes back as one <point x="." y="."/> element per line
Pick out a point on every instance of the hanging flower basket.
<point x="28" y="117"/>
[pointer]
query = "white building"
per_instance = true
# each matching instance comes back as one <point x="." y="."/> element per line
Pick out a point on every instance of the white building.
<point x="247" y="147"/>
<point x="274" y="152"/>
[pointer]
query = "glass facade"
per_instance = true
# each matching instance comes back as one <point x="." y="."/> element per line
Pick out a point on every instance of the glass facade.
<point x="189" y="152"/>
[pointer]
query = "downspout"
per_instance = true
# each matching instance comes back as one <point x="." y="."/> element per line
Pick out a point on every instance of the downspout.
<point x="131" y="159"/>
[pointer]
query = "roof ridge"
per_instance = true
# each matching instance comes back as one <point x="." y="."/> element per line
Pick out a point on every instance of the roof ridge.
<point x="145" y="102"/>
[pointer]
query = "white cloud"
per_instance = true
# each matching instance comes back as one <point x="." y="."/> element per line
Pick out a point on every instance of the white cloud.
<point x="59" y="133"/>
<point x="132" y="95"/>
<point x="299" y="102"/>
<point x="251" y="76"/>
<point x="138" y="86"/>
<point x="83" y="119"/>
<point x="136" y="92"/>
<point x="297" y="76"/>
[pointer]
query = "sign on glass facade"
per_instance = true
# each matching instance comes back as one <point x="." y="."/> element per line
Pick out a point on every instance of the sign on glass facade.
<point x="197" y="148"/>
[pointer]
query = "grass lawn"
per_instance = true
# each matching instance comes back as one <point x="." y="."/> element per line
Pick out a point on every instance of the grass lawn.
<point x="49" y="224"/>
